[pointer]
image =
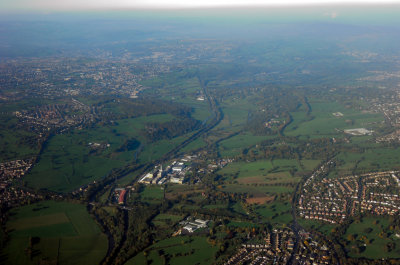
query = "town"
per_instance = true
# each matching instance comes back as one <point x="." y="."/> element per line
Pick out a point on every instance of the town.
<point x="333" y="200"/>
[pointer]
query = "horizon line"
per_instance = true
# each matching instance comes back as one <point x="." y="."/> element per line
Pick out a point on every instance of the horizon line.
<point x="206" y="7"/>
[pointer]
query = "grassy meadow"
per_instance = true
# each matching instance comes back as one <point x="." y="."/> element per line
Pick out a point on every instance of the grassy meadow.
<point x="180" y="250"/>
<point x="375" y="234"/>
<point x="54" y="232"/>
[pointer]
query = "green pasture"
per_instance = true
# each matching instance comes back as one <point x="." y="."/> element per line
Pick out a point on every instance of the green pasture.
<point x="241" y="224"/>
<point x="166" y="221"/>
<point x="256" y="191"/>
<point x="322" y="123"/>
<point x="322" y="227"/>
<point x="373" y="159"/>
<point x="374" y="232"/>
<point x="266" y="171"/>
<point x="14" y="142"/>
<point x="275" y="212"/>
<point x="62" y="233"/>
<point x="69" y="162"/>
<point x="180" y="250"/>
<point x="152" y="193"/>
<point x="235" y="145"/>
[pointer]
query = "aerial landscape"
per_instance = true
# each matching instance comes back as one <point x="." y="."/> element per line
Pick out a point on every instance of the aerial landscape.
<point x="198" y="132"/>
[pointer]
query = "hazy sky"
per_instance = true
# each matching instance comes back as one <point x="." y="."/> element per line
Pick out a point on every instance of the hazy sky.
<point x="112" y="4"/>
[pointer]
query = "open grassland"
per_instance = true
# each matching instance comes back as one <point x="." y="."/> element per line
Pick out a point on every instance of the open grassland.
<point x="266" y="171"/>
<point x="68" y="160"/>
<point x="256" y="191"/>
<point x="55" y="232"/>
<point x="322" y="123"/>
<point x="373" y="159"/>
<point x="152" y="194"/>
<point x="236" y="144"/>
<point x="261" y="180"/>
<point x="179" y="250"/>
<point x="374" y="233"/>
<point x="275" y="212"/>
<point x="15" y="143"/>
<point x="166" y="221"/>
<point x="323" y="227"/>
<point x="180" y="88"/>
<point x="237" y="111"/>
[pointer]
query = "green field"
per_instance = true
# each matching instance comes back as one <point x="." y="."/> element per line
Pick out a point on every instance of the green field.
<point x="13" y="141"/>
<point x="165" y="221"/>
<point x="235" y="145"/>
<point x="375" y="233"/>
<point x="69" y="162"/>
<point x="323" y="227"/>
<point x="55" y="232"/>
<point x="372" y="159"/>
<point x="322" y="123"/>
<point x="276" y="212"/>
<point x="266" y="171"/>
<point x="152" y="194"/>
<point x="181" y="250"/>
<point x="256" y="191"/>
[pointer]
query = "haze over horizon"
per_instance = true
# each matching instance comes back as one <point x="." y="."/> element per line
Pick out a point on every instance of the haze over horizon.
<point x="48" y="5"/>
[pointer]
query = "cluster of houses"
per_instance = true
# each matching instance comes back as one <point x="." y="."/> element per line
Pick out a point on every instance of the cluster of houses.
<point x="44" y="118"/>
<point x="278" y="247"/>
<point x="313" y="252"/>
<point x="10" y="195"/>
<point x="332" y="200"/>
<point x="273" y="122"/>
<point x="380" y="193"/>
<point x="390" y="109"/>
<point x="391" y="137"/>
<point x="13" y="169"/>
<point x="13" y="196"/>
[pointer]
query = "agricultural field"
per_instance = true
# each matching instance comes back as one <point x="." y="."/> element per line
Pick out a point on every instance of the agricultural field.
<point x="54" y="232"/>
<point x="180" y="250"/>
<point x="368" y="238"/>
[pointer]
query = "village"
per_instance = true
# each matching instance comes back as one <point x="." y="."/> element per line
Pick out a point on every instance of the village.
<point x="332" y="200"/>
<point x="10" y="171"/>
<point x="13" y="170"/>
